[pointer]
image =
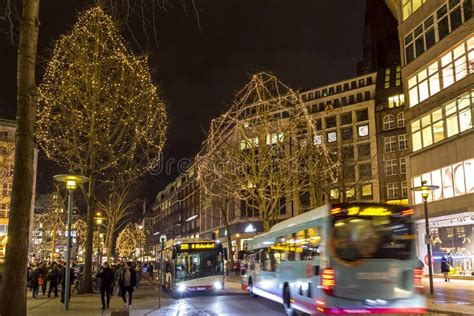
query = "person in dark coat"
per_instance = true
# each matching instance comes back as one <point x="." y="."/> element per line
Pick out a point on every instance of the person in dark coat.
<point x="53" y="278"/>
<point x="44" y="273"/>
<point x="446" y="264"/>
<point x="34" y="281"/>
<point x="106" y="277"/>
<point x="63" y="282"/>
<point x="128" y="280"/>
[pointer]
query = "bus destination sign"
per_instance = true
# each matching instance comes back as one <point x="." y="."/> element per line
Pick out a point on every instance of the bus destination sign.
<point x="197" y="246"/>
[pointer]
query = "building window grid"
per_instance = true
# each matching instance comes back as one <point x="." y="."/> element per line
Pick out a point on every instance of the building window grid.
<point x="403" y="166"/>
<point x="410" y="6"/>
<point x="449" y="120"/>
<point x="426" y="34"/>
<point x="396" y="101"/>
<point x="404" y="189"/>
<point x="390" y="144"/>
<point x="391" y="167"/>
<point x="393" y="190"/>
<point x="446" y="70"/>
<point x="401" y="119"/>
<point x="402" y="142"/>
<point x="388" y="122"/>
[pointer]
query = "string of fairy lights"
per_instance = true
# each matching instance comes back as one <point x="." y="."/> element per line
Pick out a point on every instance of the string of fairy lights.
<point x="262" y="147"/>
<point x="98" y="109"/>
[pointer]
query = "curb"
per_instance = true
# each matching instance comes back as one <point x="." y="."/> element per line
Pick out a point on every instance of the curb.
<point x="441" y="311"/>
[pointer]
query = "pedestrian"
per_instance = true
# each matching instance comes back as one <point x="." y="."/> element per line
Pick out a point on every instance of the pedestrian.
<point x="127" y="281"/>
<point x="106" y="278"/>
<point x="138" y="270"/>
<point x="117" y="277"/>
<point x="44" y="273"/>
<point x="53" y="278"/>
<point x="150" y="271"/>
<point x="446" y="265"/>
<point x="34" y="282"/>
<point x="237" y="268"/>
<point x="63" y="283"/>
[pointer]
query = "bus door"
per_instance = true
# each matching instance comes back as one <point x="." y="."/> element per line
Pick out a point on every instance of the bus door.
<point x="371" y="258"/>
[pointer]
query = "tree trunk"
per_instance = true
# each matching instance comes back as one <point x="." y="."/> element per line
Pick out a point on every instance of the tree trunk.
<point x="86" y="286"/>
<point x="13" y="298"/>
<point x="229" y="237"/>
<point x="53" y="244"/>
<point x="109" y="241"/>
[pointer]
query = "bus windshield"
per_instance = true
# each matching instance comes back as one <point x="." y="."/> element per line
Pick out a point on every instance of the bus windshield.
<point x="364" y="237"/>
<point x="198" y="264"/>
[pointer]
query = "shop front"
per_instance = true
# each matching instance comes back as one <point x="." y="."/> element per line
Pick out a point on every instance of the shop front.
<point x="450" y="234"/>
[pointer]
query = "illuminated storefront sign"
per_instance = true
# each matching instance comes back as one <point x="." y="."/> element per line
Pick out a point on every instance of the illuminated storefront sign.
<point x="454" y="180"/>
<point x="286" y="248"/>
<point x="197" y="246"/>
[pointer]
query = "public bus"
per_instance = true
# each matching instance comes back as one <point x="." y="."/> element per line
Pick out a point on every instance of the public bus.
<point x="339" y="259"/>
<point x="193" y="265"/>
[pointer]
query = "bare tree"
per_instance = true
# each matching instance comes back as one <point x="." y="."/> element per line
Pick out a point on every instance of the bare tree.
<point x="254" y="151"/>
<point x="116" y="205"/>
<point x="99" y="111"/>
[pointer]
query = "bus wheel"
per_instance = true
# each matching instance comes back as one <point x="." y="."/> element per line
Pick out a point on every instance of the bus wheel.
<point x="250" y="289"/>
<point x="287" y="301"/>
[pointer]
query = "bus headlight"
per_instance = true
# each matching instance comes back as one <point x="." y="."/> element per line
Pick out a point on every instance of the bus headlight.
<point x="181" y="288"/>
<point x="218" y="285"/>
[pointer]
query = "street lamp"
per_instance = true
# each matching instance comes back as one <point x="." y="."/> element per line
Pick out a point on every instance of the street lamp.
<point x="71" y="182"/>
<point x="425" y="190"/>
<point x="99" y="219"/>
<point x="140" y="227"/>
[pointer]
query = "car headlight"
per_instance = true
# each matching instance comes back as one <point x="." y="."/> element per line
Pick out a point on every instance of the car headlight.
<point x="218" y="285"/>
<point x="181" y="288"/>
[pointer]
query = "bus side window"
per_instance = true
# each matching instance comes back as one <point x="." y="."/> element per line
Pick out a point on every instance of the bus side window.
<point x="268" y="260"/>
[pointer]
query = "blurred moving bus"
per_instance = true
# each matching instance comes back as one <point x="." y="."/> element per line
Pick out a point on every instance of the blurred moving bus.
<point x="193" y="265"/>
<point x="339" y="259"/>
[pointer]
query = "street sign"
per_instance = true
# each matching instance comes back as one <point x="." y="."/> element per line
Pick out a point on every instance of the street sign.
<point x="428" y="240"/>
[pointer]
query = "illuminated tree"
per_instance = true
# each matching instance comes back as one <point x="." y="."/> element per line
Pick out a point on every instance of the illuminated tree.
<point x="130" y="238"/>
<point x="80" y="226"/>
<point x="99" y="112"/>
<point x="254" y="152"/>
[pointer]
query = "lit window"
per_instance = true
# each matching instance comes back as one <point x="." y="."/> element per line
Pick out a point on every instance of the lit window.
<point x="396" y="101"/>
<point x="404" y="190"/>
<point x="334" y="194"/>
<point x="448" y="69"/>
<point x="317" y="140"/>
<point x="388" y="122"/>
<point x="274" y="138"/>
<point x="332" y="137"/>
<point x="366" y="190"/>
<point x="363" y="130"/>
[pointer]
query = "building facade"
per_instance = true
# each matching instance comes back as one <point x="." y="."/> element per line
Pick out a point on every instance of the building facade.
<point x="437" y="51"/>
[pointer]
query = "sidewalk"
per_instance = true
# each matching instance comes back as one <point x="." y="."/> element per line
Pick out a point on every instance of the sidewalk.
<point x="450" y="298"/>
<point x="145" y="302"/>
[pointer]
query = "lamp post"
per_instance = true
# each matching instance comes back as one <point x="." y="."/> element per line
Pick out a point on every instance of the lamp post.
<point x="141" y="243"/>
<point x="99" y="220"/>
<point x="71" y="182"/>
<point x="425" y="190"/>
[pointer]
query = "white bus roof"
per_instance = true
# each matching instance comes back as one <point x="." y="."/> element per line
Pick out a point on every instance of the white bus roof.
<point x="276" y="231"/>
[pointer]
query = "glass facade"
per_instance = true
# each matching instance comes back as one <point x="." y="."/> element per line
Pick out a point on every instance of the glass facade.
<point x="443" y="21"/>
<point x="410" y="6"/>
<point x="450" y="119"/>
<point x="446" y="70"/>
<point x="453" y="234"/>
<point x="453" y="180"/>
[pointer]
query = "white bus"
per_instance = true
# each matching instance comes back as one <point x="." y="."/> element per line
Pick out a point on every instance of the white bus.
<point x="339" y="259"/>
<point x="194" y="265"/>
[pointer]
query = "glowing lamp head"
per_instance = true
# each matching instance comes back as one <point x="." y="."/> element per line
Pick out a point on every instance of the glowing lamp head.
<point x="71" y="184"/>
<point x="99" y="221"/>
<point x="140" y="227"/>
<point x="425" y="192"/>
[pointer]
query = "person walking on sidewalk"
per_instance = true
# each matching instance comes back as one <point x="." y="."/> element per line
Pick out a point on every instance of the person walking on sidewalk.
<point x="53" y="277"/>
<point x="446" y="264"/>
<point x="127" y="281"/>
<point x="34" y="282"/>
<point x="106" y="277"/>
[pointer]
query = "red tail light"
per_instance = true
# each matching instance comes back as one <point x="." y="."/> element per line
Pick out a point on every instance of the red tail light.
<point x="417" y="280"/>
<point x="328" y="281"/>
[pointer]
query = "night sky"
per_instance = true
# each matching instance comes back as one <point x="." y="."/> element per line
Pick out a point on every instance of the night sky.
<point x="200" y="67"/>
